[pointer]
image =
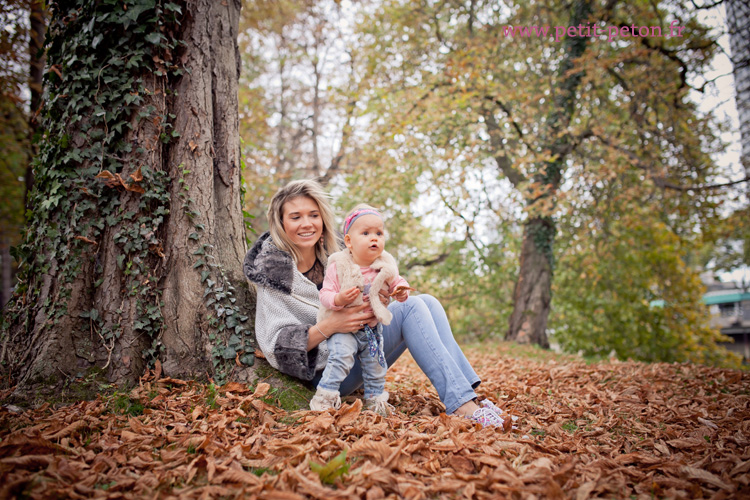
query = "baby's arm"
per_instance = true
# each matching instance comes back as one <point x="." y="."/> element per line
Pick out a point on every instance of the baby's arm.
<point x="330" y="288"/>
<point x="331" y="297"/>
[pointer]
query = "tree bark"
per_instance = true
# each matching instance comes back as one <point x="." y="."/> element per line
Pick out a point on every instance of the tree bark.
<point x="208" y="98"/>
<point x="533" y="290"/>
<point x="151" y="271"/>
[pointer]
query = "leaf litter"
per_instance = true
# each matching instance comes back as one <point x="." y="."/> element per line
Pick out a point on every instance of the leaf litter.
<point x="610" y="429"/>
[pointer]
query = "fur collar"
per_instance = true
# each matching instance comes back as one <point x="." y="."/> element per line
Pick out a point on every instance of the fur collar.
<point x="268" y="266"/>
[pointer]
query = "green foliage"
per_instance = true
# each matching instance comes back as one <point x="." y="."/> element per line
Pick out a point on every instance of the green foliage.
<point x="211" y="397"/>
<point x="333" y="469"/>
<point x="14" y="143"/>
<point x="605" y="293"/>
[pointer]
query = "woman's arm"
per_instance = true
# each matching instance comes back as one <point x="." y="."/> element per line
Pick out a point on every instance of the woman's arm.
<point x="347" y="320"/>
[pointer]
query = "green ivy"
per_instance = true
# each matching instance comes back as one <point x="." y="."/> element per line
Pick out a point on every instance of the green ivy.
<point x="94" y="97"/>
<point x="231" y="340"/>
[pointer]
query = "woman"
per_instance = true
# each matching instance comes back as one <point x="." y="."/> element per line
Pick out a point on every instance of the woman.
<point x="287" y="265"/>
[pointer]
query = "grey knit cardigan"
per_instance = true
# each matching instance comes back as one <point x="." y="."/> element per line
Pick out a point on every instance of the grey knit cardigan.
<point x="287" y="306"/>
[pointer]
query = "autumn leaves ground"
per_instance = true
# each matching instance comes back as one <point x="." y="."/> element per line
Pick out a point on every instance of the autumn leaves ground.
<point x="605" y="430"/>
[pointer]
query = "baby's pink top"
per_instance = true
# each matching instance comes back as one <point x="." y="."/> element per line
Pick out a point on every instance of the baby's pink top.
<point x="331" y="285"/>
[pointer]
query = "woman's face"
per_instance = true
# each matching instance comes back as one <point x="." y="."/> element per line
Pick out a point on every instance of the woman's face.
<point x="302" y="222"/>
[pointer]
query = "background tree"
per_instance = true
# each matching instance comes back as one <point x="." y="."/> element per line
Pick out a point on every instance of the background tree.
<point x="464" y="95"/>
<point x="298" y="94"/>
<point x="21" y="65"/>
<point x="135" y="240"/>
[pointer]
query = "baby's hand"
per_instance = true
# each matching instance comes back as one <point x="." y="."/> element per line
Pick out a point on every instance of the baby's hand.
<point x="401" y="293"/>
<point x="346" y="297"/>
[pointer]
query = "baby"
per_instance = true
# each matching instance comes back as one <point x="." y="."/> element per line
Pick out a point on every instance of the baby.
<point x="360" y="270"/>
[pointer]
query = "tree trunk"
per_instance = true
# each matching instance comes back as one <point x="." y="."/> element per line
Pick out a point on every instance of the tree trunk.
<point x="208" y="98"/>
<point x="133" y="257"/>
<point x="5" y="270"/>
<point x="532" y="293"/>
<point x="533" y="290"/>
<point x="38" y="25"/>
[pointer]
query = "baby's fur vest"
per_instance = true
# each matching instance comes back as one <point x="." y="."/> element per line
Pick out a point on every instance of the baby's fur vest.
<point x="349" y="275"/>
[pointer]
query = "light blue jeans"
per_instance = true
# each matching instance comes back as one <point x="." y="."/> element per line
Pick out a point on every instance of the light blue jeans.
<point x="344" y="349"/>
<point x="420" y="324"/>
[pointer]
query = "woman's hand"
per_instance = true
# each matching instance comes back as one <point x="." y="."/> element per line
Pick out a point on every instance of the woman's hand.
<point x="347" y="320"/>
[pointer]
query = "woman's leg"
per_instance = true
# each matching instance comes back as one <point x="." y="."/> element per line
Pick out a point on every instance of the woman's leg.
<point x="414" y="327"/>
<point x="449" y="341"/>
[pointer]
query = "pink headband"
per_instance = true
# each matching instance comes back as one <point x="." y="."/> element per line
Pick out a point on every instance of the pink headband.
<point x="356" y="215"/>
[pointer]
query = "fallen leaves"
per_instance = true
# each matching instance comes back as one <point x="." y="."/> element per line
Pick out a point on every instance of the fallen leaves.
<point x="615" y="430"/>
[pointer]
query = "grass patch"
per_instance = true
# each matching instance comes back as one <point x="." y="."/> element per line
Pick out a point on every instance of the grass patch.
<point x="122" y="404"/>
<point x="570" y="426"/>
<point x="211" y="397"/>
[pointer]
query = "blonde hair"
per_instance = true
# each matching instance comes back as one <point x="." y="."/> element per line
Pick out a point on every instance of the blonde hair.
<point x="309" y="189"/>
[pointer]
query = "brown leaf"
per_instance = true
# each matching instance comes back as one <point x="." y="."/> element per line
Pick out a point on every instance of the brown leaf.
<point x="742" y="468"/>
<point x="706" y="477"/>
<point x="368" y="448"/>
<point x="348" y="413"/>
<point x="238" y="476"/>
<point x="87" y="240"/>
<point x="137" y="176"/>
<point x="261" y="390"/>
<point x="78" y="424"/>
<point x="133" y="187"/>
<point x="28" y="461"/>
<point x="322" y="422"/>
<point x="461" y="464"/>
<point x="236" y="388"/>
<point x="585" y="490"/>
<point x="685" y="444"/>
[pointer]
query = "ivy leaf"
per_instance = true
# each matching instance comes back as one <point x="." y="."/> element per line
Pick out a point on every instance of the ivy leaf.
<point x="231" y="321"/>
<point x="154" y="38"/>
<point x="173" y="7"/>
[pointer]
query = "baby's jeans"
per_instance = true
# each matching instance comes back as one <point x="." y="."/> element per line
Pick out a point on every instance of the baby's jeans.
<point x="342" y="348"/>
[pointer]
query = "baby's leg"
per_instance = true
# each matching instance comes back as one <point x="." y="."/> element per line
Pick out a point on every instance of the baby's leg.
<point x="341" y="348"/>
<point x="373" y="374"/>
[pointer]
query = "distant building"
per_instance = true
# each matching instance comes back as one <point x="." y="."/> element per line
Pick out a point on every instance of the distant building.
<point x="738" y="21"/>
<point x="730" y="313"/>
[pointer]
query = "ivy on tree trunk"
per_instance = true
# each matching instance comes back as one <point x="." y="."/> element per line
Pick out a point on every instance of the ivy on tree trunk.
<point x="136" y="237"/>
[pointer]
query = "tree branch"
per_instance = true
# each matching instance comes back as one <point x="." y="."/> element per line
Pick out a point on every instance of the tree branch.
<point x="429" y="262"/>
<point x="498" y="150"/>
<point x="662" y="181"/>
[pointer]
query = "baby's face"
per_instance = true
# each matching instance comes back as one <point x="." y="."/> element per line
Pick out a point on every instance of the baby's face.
<point x="366" y="239"/>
